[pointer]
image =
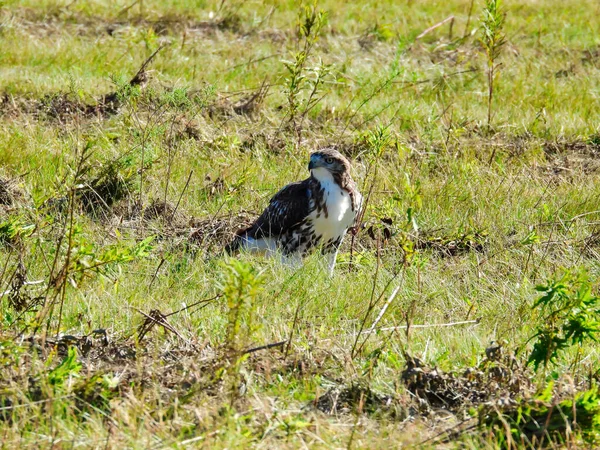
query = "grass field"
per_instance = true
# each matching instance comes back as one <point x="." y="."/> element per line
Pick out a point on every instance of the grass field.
<point x="137" y="136"/>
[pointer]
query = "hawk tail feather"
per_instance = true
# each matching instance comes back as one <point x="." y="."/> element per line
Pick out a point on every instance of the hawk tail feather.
<point x="237" y="241"/>
<point x="233" y="246"/>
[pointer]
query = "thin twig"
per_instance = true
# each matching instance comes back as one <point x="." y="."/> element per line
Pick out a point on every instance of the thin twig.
<point x="155" y="276"/>
<point x="29" y="405"/>
<point x="468" y="19"/>
<point x="430" y="80"/>
<point x="294" y="323"/>
<point x="433" y="27"/>
<point x="361" y="346"/>
<point x="137" y="77"/>
<point x="252" y="61"/>
<point x="187" y="183"/>
<point x="265" y="347"/>
<point x="427" y="325"/>
<point x="206" y="300"/>
<point x="127" y="8"/>
<point x="380" y="88"/>
<point x="165" y="325"/>
<point x="383" y="310"/>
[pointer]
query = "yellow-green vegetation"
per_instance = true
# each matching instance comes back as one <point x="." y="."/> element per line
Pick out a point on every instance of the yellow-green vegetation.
<point x="136" y="136"/>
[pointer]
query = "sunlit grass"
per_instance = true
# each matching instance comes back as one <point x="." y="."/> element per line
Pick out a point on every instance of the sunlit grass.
<point x="531" y="209"/>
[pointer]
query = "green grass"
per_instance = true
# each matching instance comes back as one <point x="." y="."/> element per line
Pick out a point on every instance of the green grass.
<point x="525" y="193"/>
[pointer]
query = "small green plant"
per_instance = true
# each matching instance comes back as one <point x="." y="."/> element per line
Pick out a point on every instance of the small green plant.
<point x="530" y="241"/>
<point x="12" y="229"/>
<point x="310" y="24"/>
<point x="493" y="40"/>
<point x="382" y="32"/>
<point x="67" y="369"/>
<point x="87" y="260"/>
<point x="570" y="315"/>
<point x="240" y="284"/>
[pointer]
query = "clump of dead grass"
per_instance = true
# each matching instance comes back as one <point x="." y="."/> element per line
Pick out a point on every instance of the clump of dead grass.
<point x="10" y="192"/>
<point x="217" y="231"/>
<point x="499" y="378"/>
<point x="355" y="397"/>
<point x="106" y="185"/>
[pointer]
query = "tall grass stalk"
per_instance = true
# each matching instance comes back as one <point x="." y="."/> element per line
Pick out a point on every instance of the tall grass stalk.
<point x="493" y="40"/>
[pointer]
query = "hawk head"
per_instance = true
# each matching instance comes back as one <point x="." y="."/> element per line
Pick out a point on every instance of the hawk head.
<point x="329" y="159"/>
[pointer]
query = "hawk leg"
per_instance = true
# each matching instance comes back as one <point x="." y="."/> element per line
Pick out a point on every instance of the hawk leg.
<point x="331" y="252"/>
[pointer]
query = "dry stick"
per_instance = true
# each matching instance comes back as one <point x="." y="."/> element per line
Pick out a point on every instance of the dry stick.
<point x="66" y="7"/>
<point x="99" y="197"/>
<point x="257" y="97"/>
<point x="371" y="304"/>
<point x="229" y="94"/>
<point x="63" y="286"/>
<point x="67" y="263"/>
<point x="252" y="61"/>
<point x="427" y="325"/>
<point x="187" y="183"/>
<point x="433" y="27"/>
<point x="162" y="261"/>
<point x="376" y="92"/>
<point x="363" y="210"/>
<point x="383" y="310"/>
<point x="355" y="425"/>
<point x="370" y="308"/>
<point x="380" y="316"/>
<point x="195" y="439"/>
<point x="408" y="316"/>
<point x="170" y="157"/>
<point x="409" y="84"/>
<point x="468" y="19"/>
<point x="136" y="78"/>
<point x="95" y="266"/>
<point x="45" y="306"/>
<point x="294" y="323"/>
<point x="265" y="347"/>
<point x="38" y="402"/>
<point x="206" y="300"/>
<point x="4" y="269"/>
<point x="165" y="325"/>
<point x="310" y="104"/>
<point x="127" y="8"/>
<point x="445" y="433"/>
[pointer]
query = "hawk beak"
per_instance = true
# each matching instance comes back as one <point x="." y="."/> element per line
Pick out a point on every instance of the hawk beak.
<point x="312" y="164"/>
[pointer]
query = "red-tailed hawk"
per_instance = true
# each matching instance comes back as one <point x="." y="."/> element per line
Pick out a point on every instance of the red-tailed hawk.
<point x="314" y="212"/>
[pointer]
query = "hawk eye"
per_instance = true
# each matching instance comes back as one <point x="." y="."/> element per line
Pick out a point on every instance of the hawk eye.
<point x="329" y="160"/>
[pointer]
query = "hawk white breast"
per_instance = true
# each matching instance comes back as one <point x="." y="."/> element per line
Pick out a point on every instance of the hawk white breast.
<point x="317" y="211"/>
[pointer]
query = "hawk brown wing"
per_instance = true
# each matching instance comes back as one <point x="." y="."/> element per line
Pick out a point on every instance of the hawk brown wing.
<point x="287" y="209"/>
